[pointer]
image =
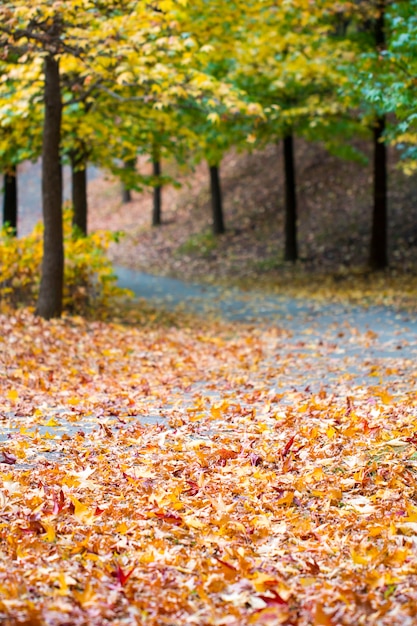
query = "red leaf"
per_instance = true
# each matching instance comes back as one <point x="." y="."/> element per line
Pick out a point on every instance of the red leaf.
<point x="35" y="526"/>
<point x="287" y="446"/>
<point x="193" y="490"/>
<point x="274" y="600"/>
<point x="170" y="518"/>
<point x="8" y="458"/>
<point x="313" y="567"/>
<point x="58" y="503"/>
<point x="123" y="577"/>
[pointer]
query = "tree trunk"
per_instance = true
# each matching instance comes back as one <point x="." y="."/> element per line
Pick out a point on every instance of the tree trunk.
<point x="130" y="164"/>
<point x="216" y="201"/>
<point x="126" y="195"/>
<point x="10" y="200"/>
<point x="291" y="248"/>
<point x="156" y="213"/>
<point x="79" y="194"/>
<point x="52" y="280"/>
<point x="379" y="237"/>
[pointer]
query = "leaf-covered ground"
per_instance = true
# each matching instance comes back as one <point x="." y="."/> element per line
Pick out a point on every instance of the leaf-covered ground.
<point x="205" y="473"/>
<point x="334" y="210"/>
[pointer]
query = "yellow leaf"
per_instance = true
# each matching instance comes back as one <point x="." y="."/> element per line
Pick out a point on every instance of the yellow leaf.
<point x="87" y="597"/>
<point x="287" y="499"/>
<point x="122" y="528"/>
<point x="214" y="118"/>
<point x="193" y="522"/>
<point x="81" y="511"/>
<point x="330" y="432"/>
<point x="321" y="618"/>
<point x="50" y="531"/>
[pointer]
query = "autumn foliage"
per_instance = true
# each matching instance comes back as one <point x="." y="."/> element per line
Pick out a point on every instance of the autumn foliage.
<point x="90" y="283"/>
<point x="190" y="476"/>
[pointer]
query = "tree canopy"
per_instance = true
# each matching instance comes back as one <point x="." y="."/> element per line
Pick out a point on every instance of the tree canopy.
<point x="192" y="80"/>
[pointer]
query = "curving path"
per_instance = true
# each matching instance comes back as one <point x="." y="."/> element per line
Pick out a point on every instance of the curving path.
<point x="337" y="349"/>
<point x="357" y="336"/>
<point x="396" y="332"/>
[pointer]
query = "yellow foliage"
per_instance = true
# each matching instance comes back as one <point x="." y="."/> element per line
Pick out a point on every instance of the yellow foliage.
<point x="89" y="282"/>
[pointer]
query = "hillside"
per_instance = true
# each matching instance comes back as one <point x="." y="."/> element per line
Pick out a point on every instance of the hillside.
<point x="334" y="198"/>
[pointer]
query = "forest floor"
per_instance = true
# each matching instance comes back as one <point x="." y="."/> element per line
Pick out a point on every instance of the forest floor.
<point x="176" y="471"/>
<point x="165" y="469"/>
<point x="334" y="198"/>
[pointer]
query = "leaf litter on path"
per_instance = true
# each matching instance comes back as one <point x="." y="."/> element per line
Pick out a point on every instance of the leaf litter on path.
<point x="205" y="474"/>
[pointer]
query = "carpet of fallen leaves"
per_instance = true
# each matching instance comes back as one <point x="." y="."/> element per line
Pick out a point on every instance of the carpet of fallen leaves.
<point x="190" y="475"/>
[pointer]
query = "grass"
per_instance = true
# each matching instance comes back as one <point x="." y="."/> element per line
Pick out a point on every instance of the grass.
<point x="201" y="244"/>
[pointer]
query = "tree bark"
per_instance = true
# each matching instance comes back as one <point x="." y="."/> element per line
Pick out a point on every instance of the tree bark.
<point x="126" y="195"/>
<point x="52" y="280"/>
<point x="291" y="247"/>
<point x="157" y="205"/>
<point x="379" y="238"/>
<point x="130" y="164"/>
<point x="10" y="200"/>
<point x="216" y="201"/>
<point x="79" y="194"/>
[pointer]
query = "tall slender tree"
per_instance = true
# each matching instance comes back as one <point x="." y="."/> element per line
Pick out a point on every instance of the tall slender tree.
<point x="216" y="200"/>
<point x="10" y="199"/>
<point x="157" y="191"/>
<point x="52" y="278"/>
<point x="379" y="236"/>
<point x="291" y="244"/>
<point x="79" y="192"/>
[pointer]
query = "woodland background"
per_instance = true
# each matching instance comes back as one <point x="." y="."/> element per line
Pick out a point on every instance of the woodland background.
<point x="175" y="85"/>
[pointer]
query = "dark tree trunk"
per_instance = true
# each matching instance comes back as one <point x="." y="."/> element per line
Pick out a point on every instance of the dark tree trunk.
<point x="216" y="201"/>
<point x="379" y="238"/>
<point x="79" y="194"/>
<point x="291" y="248"/>
<point x="52" y="280"/>
<point x="156" y="213"/>
<point x="126" y="195"/>
<point x="130" y="164"/>
<point x="10" y="200"/>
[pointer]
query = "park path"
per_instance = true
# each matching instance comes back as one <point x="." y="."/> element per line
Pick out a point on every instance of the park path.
<point x="334" y="346"/>
<point x="348" y="337"/>
<point x="395" y="332"/>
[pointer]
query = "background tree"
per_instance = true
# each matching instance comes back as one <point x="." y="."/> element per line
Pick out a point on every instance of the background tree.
<point x="132" y="46"/>
<point x="287" y="63"/>
<point x="20" y="139"/>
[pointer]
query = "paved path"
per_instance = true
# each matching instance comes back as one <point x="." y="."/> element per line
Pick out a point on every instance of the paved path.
<point x="333" y="344"/>
<point x="396" y="333"/>
<point x="391" y="336"/>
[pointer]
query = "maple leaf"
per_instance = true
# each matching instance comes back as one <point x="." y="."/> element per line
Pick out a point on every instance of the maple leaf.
<point x="8" y="458"/>
<point x="122" y="576"/>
